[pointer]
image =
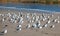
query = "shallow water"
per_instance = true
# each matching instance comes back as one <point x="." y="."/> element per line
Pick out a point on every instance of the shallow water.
<point x="39" y="7"/>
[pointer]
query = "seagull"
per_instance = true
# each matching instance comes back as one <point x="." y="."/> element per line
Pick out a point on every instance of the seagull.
<point x="18" y="29"/>
<point x="52" y="26"/>
<point x="27" y="16"/>
<point x="34" y="26"/>
<point x="48" y="21"/>
<point x="32" y="21"/>
<point x="37" y="18"/>
<point x="45" y="25"/>
<point x="48" y="16"/>
<point x="28" y="26"/>
<point x="12" y="20"/>
<point x="42" y="15"/>
<point x="2" y="15"/>
<point x="52" y="15"/>
<point x="20" y="22"/>
<point x="3" y="20"/>
<point x="15" y="21"/>
<point x="21" y="19"/>
<point x="19" y="13"/>
<point x="9" y="14"/>
<point x="43" y="19"/>
<point x="5" y="31"/>
<point x="5" y="26"/>
<point x="40" y="27"/>
<point x="33" y="17"/>
<point x="38" y="24"/>
<point x="55" y="20"/>
<point x="58" y="21"/>
<point x="19" y="26"/>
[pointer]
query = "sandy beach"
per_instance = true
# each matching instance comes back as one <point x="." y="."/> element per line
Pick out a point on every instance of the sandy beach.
<point x="44" y="31"/>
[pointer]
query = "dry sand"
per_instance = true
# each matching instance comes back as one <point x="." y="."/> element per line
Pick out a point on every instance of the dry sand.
<point x="30" y="32"/>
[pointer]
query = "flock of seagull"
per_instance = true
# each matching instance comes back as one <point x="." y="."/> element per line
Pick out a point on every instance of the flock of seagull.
<point x="30" y="17"/>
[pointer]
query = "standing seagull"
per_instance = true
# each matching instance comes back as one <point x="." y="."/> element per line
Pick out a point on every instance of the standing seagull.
<point x="18" y="28"/>
<point x="9" y="14"/>
<point x="28" y="26"/>
<point x="55" y="20"/>
<point x="40" y="27"/>
<point x="45" y="25"/>
<point x="58" y="21"/>
<point x="3" y="19"/>
<point x="48" y="22"/>
<point x="4" y="32"/>
<point x="52" y="26"/>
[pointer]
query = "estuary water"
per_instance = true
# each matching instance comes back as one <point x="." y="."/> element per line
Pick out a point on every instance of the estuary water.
<point x="35" y="7"/>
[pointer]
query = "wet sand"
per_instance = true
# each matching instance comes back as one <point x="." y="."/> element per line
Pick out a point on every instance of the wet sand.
<point x="30" y="32"/>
